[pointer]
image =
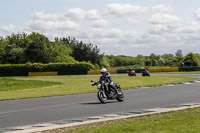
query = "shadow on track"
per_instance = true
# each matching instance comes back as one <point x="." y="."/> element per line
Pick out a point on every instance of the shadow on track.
<point x="96" y="103"/>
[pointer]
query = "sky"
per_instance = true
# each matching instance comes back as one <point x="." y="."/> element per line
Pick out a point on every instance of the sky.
<point x="117" y="27"/>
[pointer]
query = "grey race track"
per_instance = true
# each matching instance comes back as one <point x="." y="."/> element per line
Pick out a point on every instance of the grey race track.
<point x="43" y="110"/>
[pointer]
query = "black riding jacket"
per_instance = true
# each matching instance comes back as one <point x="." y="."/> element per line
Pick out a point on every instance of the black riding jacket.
<point x="106" y="78"/>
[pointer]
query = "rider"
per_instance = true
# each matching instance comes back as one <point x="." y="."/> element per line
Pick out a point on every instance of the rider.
<point x="144" y="70"/>
<point x="130" y="72"/>
<point x="106" y="77"/>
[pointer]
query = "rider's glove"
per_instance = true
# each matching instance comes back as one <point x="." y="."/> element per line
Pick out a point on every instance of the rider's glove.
<point x="94" y="84"/>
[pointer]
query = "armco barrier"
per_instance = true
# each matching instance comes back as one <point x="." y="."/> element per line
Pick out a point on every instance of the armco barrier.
<point x="181" y="69"/>
<point x="125" y="70"/>
<point x="82" y="72"/>
<point x="42" y="73"/>
<point x="174" y="69"/>
<point x="99" y="72"/>
<point x="13" y="74"/>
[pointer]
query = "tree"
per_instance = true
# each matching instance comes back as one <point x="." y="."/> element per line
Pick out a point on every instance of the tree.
<point x="14" y="45"/>
<point x="198" y="55"/>
<point x="84" y="52"/>
<point x="105" y="62"/>
<point x="14" y="54"/>
<point x="168" y="59"/>
<point x="35" y="47"/>
<point x="2" y="50"/>
<point x="191" y="59"/>
<point x="179" y="54"/>
<point x="154" y="59"/>
<point x="40" y="49"/>
<point x="37" y="50"/>
<point x="179" y="57"/>
<point x="140" y="60"/>
<point x="60" y="52"/>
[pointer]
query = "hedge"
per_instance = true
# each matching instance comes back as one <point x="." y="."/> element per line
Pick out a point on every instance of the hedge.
<point x="52" y="67"/>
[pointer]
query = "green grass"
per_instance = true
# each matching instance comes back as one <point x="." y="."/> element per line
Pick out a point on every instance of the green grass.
<point x="28" y="88"/>
<point x="9" y="84"/>
<point x="190" y="72"/>
<point x="185" y="121"/>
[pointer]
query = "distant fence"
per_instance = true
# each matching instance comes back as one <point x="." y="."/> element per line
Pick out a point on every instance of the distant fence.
<point x="13" y="74"/>
<point x="97" y="72"/>
<point x="170" y="69"/>
<point x="182" y="69"/>
<point x="125" y="70"/>
<point x="81" y="72"/>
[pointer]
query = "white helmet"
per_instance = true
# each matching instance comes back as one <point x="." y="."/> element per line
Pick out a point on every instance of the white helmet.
<point x="103" y="70"/>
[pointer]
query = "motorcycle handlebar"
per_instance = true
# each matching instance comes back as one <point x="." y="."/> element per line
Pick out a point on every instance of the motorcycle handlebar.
<point x="94" y="84"/>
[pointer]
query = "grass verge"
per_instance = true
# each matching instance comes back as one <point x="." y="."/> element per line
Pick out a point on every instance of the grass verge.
<point x="72" y="86"/>
<point x="186" y="121"/>
<point x="9" y="84"/>
<point x="190" y="72"/>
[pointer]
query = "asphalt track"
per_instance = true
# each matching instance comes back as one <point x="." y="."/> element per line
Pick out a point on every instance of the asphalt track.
<point x="16" y="113"/>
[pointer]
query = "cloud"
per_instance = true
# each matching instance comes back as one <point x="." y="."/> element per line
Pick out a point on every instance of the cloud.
<point x="121" y="10"/>
<point x="119" y="29"/>
<point x="8" y="29"/>
<point x="90" y="33"/>
<point x="99" y="23"/>
<point x="133" y="14"/>
<point x="163" y="18"/>
<point x="163" y="9"/>
<point x="49" y="22"/>
<point x="80" y="14"/>
<point x="51" y="25"/>
<point x="197" y="14"/>
<point x="41" y="15"/>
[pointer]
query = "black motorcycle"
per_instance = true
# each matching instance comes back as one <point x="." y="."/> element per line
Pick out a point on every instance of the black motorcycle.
<point x="145" y="73"/>
<point x="107" y="93"/>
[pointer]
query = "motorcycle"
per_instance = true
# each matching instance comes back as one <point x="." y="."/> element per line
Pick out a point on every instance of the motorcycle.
<point x="107" y="93"/>
<point x="131" y="73"/>
<point x="145" y="73"/>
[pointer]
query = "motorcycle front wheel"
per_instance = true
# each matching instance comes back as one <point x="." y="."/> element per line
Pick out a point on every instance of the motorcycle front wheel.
<point x="101" y="96"/>
<point x="120" y="97"/>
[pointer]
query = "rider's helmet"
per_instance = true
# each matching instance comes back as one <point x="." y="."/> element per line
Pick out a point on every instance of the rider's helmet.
<point x="103" y="71"/>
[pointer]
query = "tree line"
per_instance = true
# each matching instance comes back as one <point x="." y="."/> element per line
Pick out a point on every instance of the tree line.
<point x="22" y="48"/>
<point x="37" y="48"/>
<point x="153" y="60"/>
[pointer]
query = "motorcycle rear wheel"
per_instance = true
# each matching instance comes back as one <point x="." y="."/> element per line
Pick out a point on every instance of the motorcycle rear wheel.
<point x="101" y="96"/>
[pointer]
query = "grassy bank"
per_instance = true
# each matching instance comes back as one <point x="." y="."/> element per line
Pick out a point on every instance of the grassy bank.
<point x="9" y="84"/>
<point x="19" y="88"/>
<point x="185" y="121"/>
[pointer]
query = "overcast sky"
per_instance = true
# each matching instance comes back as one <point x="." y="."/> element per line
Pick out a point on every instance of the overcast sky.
<point x="118" y="27"/>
